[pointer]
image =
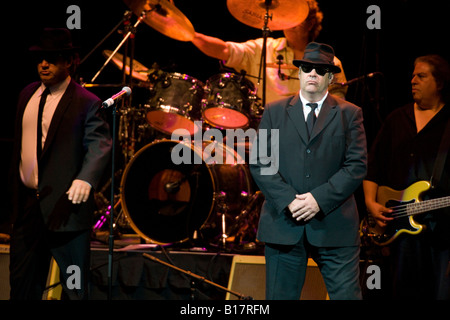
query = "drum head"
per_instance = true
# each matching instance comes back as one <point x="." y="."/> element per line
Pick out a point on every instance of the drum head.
<point x="225" y="118"/>
<point x="168" y="122"/>
<point x="165" y="202"/>
<point x="228" y="101"/>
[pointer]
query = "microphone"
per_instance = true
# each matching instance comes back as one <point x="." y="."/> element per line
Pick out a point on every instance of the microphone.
<point x="108" y="103"/>
<point x="281" y="75"/>
<point x="370" y="75"/>
<point x="173" y="187"/>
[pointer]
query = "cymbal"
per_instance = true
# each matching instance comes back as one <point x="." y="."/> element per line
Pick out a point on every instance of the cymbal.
<point x="281" y="66"/>
<point x="285" y="13"/>
<point x="140" y="72"/>
<point x="164" y="17"/>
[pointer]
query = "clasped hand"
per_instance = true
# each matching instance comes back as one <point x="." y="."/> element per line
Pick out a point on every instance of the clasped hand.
<point x="304" y="207"/>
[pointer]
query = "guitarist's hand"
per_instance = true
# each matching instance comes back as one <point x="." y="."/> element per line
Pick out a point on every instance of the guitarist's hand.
<point x="380" y="213"/>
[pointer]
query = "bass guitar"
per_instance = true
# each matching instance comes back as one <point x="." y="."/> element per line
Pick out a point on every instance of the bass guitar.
<point x="405" y="205"/>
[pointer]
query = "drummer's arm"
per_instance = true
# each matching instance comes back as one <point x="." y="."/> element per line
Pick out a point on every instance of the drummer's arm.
<point x="211" y="46"/>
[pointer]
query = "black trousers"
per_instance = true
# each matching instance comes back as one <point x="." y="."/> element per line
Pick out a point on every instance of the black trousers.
<point x="286" y="270"/>
<point x="32" y="247"/>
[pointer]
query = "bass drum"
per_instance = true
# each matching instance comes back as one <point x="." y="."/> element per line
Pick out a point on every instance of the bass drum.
<point x="166" y="201"/>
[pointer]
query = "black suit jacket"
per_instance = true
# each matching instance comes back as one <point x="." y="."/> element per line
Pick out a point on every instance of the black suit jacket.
<point x="330" y="165"/>
<point x="77" y="146"/>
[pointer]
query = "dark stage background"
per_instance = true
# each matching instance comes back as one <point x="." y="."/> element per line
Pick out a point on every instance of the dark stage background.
<point x="408" y="29"/>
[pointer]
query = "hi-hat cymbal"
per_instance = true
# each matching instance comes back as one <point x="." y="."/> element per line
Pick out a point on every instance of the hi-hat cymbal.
<point x="140" y="72"/>
<point x="164" y="17"/>
<point x="285" y="13"/>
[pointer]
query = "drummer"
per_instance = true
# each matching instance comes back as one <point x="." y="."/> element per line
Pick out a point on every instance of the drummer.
<point x="281" y="81"/>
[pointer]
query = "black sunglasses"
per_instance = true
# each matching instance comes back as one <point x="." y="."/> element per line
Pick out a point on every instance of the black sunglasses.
<point x="321" y="70"/>
<point x="50" y="57"/>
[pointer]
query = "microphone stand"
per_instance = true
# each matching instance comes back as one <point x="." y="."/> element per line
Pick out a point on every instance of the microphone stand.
<point x="113" y="151"/>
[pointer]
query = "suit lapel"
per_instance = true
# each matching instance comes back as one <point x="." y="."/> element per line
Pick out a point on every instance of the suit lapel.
<point x="295" y="112"/>
<point x="58" y="115"/>
<point x="326" y="114"/>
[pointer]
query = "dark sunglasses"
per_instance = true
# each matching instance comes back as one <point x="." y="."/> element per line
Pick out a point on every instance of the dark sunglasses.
<point x="321" y="70"/>
<point x="50" y="57"/>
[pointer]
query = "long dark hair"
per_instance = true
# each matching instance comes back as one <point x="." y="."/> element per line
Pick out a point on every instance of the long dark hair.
<point x="440" y="69"/>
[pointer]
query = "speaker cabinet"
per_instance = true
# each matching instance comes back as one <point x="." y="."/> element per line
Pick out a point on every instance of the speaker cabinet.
<point x="54" y="291"/>
<point x="4" y="272"/>
<point x="248" y="278"/>
<point x="54" y="287"/>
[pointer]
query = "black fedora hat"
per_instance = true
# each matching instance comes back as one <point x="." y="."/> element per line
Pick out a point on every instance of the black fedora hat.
<point x="54" y="40"/>
<point x="318" y="54"/>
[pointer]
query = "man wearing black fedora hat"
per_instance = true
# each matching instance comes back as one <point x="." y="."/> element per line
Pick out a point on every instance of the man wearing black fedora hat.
<point x="309" y="208"/>
<point x="62" y="146"/>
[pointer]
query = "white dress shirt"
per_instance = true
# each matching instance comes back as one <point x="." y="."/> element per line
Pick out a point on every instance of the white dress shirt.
<point x="28" y="163"/>
<point x="307" y="109"/>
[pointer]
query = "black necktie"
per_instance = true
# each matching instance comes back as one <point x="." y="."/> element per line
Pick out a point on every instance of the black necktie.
<point x="39" y="122"/>
<point x="311" y="118"/>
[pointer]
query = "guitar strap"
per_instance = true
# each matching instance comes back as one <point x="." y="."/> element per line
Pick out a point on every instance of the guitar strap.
<point x="441" y="157"/>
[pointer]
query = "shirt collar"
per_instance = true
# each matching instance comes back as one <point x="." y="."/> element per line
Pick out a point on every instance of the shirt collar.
<point x="319" y="103"/>
<point x="58" y="88"/>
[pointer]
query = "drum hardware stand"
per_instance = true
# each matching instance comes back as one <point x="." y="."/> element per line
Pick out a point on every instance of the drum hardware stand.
<point x="131" y="31"/>
<point x="195" y="276"/>
<point x="105" y="216"/>
<point x="263" y="60"/>
<point x="222" y="210"/>
<point x="126" y="17"/>
<point x="104" y="203"/>
<point x="127" y="143"/>
<point x="243" y="218"/>
<point x="224" y="232"/>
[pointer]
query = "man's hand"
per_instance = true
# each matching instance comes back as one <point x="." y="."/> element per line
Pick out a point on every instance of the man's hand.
<point x="79" y="191"/>
<point x="304" y="207"/>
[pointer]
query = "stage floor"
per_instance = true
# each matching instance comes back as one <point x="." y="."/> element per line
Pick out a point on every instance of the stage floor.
<point x="143" y="271"/>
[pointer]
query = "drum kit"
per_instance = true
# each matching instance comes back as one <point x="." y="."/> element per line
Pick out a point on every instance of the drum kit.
<point x="167" y="203"/>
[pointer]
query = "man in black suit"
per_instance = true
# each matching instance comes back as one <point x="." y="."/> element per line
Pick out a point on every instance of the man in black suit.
<point x="309" y="208"/>
<point x="61" y="149"/>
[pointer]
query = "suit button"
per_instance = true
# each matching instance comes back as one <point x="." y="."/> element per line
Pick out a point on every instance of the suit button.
<point x="308" y="150"/>
<point x="307" y="175"/>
